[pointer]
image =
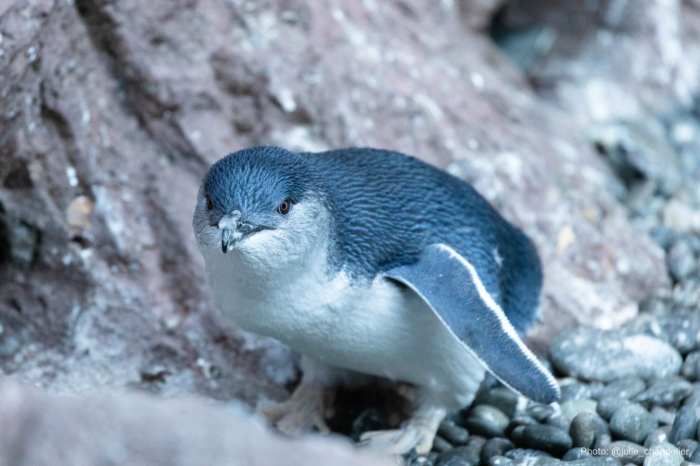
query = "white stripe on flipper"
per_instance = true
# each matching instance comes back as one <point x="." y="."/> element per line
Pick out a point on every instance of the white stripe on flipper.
<point x="493" y="306"/>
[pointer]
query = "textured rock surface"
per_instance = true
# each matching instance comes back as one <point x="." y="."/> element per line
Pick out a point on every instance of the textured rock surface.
<point x="111" y="111"/>
<point x="127" y="428"/>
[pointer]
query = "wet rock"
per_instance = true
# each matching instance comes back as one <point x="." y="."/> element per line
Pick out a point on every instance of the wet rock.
<point x="680" y="328"/>
<point x="468" y="455"/>
<point x="499" y="397"/>
<point x="486" y="420"/>
<point x="574" y="390"/>
<point x="607" y="406"/>
<point x="453" y="433"/>
<point x="681" y="261"/>
<point x="687" y="447"/>
<point x="585" y="428"/>
<point x="527" y="454"/>
<point x="691" y="366"/>
<point x="625" y="387"/>
<point x="666" y="391"/>
<point x="663" y="454"/>
<point x="571" y="408"/>
<point x="548" y="438"/>
<point x="440" y="445"/>
<point x="576" y="453"/>
<point x="684" y="425"/>
<point x="663" y="416"/>
<point x="539" y="411"/>
<point x="627" y="452"/>
<point x="599" y="355"/>
<point x="632" y="422"/>
<point x="656" y="437"/>
<point x="496" y="446"/>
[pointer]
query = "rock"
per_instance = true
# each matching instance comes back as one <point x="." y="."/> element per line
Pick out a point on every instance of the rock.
<point x="695" y="457"/>
<point x="625" y="387"/>
<point x="687" y="447"/>
<point x="468" y="455"/>
<point x="500" y="461"/>
<point x="632" y="422"/>
<point x="627" y="452"/>
<point x="570" y="409"/>
<point x="548" y="438"/>
<point x="666" y="391"/>
<point x="585" y="427"/>
<point x="599" y="355"/>
<point x="526" y="454"/>
<point x="496" y="446"/>
<point x="119" y="427"/>
<point x="499" y="397"/>
<point x="129" y="105"/>
<point x="680" y="328"/>
<point x="662" y="416"/>
<point x="486" y="420"/>
<point x="595" y="461"/>
<point x="539" y="411"/>
<point x="607" y="406"/>
<point x="681" y="261"/>
<point x="576" y="453"/>
<point x="656" y="437"/>
<point x="453" y="433"/>
<point x="441" y="445"/>
<point x="663" y="454"/>
<point x="574" y="390"/>
<point x="691" y="366"/>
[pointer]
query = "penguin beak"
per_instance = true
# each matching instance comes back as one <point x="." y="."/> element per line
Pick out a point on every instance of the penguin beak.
<point x="233" y="230"/>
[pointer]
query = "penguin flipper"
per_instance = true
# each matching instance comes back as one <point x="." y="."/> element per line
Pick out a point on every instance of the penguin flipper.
<point x="453" y="290"/>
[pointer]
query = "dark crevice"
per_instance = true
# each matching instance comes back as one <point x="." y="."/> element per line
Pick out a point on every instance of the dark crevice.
<point x="4" y="239"/>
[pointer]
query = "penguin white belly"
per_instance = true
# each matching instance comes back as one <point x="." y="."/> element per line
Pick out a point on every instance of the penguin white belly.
<point x="378" y="328"/>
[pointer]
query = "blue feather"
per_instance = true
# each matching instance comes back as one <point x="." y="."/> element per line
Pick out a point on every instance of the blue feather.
<point x="386" y="208"/>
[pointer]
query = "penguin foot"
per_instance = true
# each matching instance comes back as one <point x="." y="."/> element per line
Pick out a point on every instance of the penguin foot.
<point x="418" y="433"/>
<point x="302" y="412"/>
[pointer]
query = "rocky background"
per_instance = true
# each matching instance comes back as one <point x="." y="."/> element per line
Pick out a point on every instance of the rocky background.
<point x="578" y="120"/>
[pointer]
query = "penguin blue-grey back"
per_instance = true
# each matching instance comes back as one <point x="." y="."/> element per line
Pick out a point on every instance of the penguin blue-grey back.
<point x="357" y="258"/>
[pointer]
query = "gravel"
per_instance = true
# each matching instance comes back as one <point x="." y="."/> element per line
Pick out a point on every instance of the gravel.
<point x="632" y="422"/>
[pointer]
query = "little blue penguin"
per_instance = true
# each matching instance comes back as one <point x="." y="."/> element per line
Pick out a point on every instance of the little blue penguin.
<point x="372" y="262"/>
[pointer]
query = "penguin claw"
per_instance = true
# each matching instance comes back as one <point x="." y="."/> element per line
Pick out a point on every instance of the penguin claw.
<point x="302" y="412"/>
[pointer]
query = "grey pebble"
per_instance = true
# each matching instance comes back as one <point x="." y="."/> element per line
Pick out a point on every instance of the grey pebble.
<point x="663" y="454"/>
<point x="585" y="427"/>
<point x="602" y="441"/>
<point x="593" y="354"/>
<point x="500" y="461"/>
<point x="665" y="392"/>
<point x="627" y="452"/>
<point x="457" y="435"/>
<point x="595" y="461"/>
<point x="574" y="390"/>
<point x="441" y="445"/>
<point x="499" y="397"/>
<point x="625" y="387"/>
<point x="691" y="366"/>
<point x="684" y="425"/>
<point x="680" y="260"/>
<point x="687" y="447"/>
<point x="662" y="416"/>
<point x="486" y="420"/>
<point x="544" y="437"/>
<point x="695" y="457"/>
<point x="632" y="422"/>
<point x="607" y="406"/>
<point x="525" y="454"/>
<point x="576" y="453"/>
<point x="657" y="436"/>
<point x="496" y="446"/>
<point x="570" y="409"/>
<point x="680" y="328"/>
<point x="539" y="411"/>
<point x="519" y="420"/>
<point x="461" y="456"/>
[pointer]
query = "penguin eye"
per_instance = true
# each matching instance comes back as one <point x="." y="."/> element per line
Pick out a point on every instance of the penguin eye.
<point x="210" y="204"/>
<point x="284" y="207"/>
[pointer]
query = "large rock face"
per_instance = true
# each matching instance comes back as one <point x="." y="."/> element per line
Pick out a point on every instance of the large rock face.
<point x="111" y="112"/>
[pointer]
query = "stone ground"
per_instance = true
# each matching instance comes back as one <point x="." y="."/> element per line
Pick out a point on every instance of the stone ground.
<point x="578" y="120"/>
